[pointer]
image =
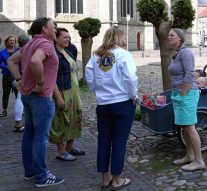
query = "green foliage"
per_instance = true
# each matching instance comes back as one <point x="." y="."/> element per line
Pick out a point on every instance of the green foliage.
<point x="183" y="13"/>
<point x="152" y="11"/>
<point x="137" y="115"/>
<point x="82" y="85"/>
<point x="88" y="27"/>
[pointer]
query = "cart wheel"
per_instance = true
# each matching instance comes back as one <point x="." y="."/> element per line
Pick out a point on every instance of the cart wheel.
<point x="201" y="127"/>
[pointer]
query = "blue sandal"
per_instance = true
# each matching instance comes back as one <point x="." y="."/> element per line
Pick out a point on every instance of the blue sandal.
<point x="66" y="157"/>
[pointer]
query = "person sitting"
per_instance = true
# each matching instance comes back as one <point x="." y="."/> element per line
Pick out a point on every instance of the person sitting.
<point x="202" y="84"/>
<point x="199" y="73"/>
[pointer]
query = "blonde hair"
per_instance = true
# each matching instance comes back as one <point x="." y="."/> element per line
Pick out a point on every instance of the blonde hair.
<point x="110" y="40"/>
<point x="203" y="80"/>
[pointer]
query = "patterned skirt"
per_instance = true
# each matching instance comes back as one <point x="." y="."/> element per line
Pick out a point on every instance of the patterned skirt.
<point x="66" y="123"/>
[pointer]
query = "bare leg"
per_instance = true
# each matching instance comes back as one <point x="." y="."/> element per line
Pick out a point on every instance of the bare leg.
<point x="195" y="142"/>
<point x="189" y="156"/>
<point x="69" y="145"/>
<point x="61" y="147"/>
<point x="106" y="178"/>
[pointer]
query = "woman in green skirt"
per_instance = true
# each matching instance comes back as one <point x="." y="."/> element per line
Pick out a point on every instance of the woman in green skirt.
<point x="66" y="125"/>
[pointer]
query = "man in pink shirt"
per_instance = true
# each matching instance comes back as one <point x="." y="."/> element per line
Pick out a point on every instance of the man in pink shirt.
<point x="39" y="71"/>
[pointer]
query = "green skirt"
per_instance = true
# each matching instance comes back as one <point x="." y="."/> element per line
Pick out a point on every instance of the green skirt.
<point x="66" y="124"/>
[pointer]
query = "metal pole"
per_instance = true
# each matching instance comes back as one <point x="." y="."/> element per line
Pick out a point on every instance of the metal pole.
<point x="200" y="51"/>
<point x="143" y="40"/>
<point x="142" y="51"/>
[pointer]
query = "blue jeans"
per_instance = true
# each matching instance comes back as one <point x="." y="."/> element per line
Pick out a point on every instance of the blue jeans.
<point x="38" y="113"/>
<point x="114" y="125"/>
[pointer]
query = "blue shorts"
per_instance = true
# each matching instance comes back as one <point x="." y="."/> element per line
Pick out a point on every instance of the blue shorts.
<point x="185" y="107"/>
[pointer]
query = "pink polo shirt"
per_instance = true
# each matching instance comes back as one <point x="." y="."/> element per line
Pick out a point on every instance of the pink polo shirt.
<point x="50" y="65"/>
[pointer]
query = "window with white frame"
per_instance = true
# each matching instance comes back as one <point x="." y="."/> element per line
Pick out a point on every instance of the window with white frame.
<point x="1" y="5"/>
<point x="69" y="6"/>
<point x="126" y="8"/>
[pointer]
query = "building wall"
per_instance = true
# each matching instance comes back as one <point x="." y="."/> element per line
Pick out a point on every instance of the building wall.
<point x="13" y="9"/>
<point x="195" y="36"/>
<point x="93" y="9"/>
<point x="202" y="30"/>
<point x="108" y="16"/>
<point x="149" y="37"/>
<point x="18" y="16"/>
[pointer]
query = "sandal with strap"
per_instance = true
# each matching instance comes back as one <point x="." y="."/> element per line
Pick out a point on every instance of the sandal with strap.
<point x="3" y="114"/>
<point x="103" y="186"/>
<point x="66" y="156"/>
<point x="126" y="182"/>
<point x="19" y="129"/>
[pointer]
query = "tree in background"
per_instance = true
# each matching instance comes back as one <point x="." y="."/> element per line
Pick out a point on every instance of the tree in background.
<point x="87" y="29"/>
<point x="155" y="12"/>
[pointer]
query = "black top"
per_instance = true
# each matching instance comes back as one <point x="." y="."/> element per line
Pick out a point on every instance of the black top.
<point x="72" y="50"/>
<point x="64" y="72"/>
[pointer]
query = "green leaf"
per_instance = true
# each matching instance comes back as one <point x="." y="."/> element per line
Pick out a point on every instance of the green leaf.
<point x="88" y="27"/>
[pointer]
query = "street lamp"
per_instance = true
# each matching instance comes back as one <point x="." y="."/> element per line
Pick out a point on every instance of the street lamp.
<point x="127" y="18"/>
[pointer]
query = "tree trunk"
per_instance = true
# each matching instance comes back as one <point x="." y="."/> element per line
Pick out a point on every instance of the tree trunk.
<point x="165" y="52"/>
<point x="86" y="44"/>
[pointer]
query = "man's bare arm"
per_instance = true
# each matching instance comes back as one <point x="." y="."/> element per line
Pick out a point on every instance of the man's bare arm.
<point x="37" y="66"/>
<point x="13" y="62"/>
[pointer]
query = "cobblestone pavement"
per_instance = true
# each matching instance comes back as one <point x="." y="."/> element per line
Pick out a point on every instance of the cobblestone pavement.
<point x="148" y="160"/>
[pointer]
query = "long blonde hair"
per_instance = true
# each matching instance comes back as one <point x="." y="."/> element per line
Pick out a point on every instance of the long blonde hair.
<point x="110" y="40"/>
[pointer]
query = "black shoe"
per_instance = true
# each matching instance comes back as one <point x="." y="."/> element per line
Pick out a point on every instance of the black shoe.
<point x="76" y="151"/>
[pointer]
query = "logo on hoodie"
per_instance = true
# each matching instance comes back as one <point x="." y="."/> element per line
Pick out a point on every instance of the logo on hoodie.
<point x="106" y="62"/>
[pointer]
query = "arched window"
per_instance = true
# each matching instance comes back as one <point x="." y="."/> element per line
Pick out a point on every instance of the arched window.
<point x="69" y="6"/>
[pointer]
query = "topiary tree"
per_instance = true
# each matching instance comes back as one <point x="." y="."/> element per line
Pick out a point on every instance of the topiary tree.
<point x="155" y="12"/>
<point x="87" y="29"/>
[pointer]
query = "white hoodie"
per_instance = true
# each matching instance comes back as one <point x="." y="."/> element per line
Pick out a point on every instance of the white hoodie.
<point x="113" y="77"/>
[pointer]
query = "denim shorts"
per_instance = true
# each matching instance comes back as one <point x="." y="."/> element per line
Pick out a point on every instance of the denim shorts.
<point x="185" y="107"/>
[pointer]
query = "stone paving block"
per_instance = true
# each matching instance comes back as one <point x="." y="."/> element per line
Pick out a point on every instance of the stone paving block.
<point x="79" y="175"/>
